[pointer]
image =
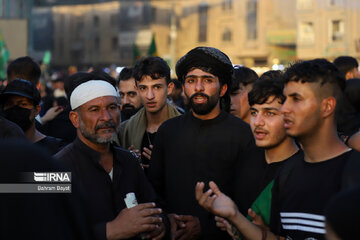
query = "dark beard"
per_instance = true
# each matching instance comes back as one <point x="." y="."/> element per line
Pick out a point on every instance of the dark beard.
<point x="204" y="108"/>
<point x="127" y="111"/>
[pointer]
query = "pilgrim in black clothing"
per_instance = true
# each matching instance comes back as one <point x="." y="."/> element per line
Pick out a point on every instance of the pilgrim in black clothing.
<point x="104" y="192"/>
<point x="20" y="104"/>
<point x="108" y="174"/>
<point x="312" y="89"/>
<point x="300" y="214"/>
<point x="203" y="144"/>
<point x="38" y="215"/>
<point x="187" y="150"/>
<point x="10" y="130"/>
<point x="273" y="146"/>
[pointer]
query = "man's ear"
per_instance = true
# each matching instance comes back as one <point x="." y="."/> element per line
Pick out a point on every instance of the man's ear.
<point x="38" y="109"/>
<point x="328" y="106"/>
<point x="75" y="118"/>
<point x="170" y="88"/>
<point x="348" y="75"/>
<point x="223" y="90"/>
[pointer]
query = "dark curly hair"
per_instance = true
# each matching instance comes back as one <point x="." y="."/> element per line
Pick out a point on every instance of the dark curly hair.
<point x="269" y="84"/>
<point x="155" y="67"/>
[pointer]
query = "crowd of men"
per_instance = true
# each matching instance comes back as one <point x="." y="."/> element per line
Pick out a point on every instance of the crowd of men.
<point x="240" y="156"/>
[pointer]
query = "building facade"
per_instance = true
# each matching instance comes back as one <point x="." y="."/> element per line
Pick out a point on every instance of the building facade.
<point x="328" y="28"/>
<point x="255" y="33"/>
<point x="86" y="34"/>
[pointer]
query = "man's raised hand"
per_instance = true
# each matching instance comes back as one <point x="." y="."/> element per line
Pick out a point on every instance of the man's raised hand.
<point x="215" y="201"/>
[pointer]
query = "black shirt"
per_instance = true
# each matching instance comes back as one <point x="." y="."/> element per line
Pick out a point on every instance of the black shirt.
<point x="253" y="175"/>
<point x="10" y="130"/>
<point x="188" y="150"/>
<point x="148" y="139"/>
<point x="105" y="197"/>
<point x="38" y="215"/>
<point x="298" y="205"/>
<point x="52" y="144"/>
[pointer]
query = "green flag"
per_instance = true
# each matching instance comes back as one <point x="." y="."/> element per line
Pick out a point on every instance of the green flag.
<point x="152" y="48"/>
<point x="47" y="57"/>
<point x="4" y="57"/>
<point x="136" y="53"/>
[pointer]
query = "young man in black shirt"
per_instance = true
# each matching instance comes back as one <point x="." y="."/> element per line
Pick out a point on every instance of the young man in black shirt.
<point x="152" y="77"/>
<point x="300" y="191"/>
<point x="20" y="102"/>
<point x="204" y="143"/>
<point x="273" y="146"/>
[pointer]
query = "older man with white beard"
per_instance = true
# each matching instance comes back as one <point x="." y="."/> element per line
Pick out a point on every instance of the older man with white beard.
<point x="107" y="173"/>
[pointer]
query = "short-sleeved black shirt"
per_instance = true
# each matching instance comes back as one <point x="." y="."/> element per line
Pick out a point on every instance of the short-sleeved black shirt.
<point x="298" y="205"/>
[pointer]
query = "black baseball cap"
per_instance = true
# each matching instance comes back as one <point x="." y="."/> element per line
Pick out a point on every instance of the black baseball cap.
<point x="21" y="87"/>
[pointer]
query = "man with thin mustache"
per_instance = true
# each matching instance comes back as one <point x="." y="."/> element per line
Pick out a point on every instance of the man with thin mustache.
<point x="273" y="146"/>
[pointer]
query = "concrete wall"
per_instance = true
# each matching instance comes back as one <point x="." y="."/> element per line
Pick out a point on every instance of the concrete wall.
<point x="15" y="33"/>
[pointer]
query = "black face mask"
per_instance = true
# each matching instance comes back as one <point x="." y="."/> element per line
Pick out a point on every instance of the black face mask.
<point x="20" y="116"/>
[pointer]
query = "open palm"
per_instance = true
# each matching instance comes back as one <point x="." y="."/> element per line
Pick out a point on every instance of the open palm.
<point x="215" y="201"/>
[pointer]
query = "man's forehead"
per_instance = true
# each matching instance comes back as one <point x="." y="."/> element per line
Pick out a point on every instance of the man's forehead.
<point x="125" y="85"/>
<point x="293" y="87"/>
<point x="271" y="103"/>
<point x="17" y="98"/>
<point x="149" y="81"/>
<point x="128" y="81"/>
<point x="199" y="72"/>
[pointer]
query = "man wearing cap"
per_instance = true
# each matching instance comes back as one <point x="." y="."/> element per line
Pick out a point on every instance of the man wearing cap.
<point x="20" y="104"/>
<point x="108" y="173"/>
<point x="205" y="143"/>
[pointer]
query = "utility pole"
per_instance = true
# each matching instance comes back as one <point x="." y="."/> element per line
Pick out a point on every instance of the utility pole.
<point x="173" y="35"/>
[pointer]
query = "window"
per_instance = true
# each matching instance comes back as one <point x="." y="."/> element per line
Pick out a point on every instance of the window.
<point x="357" y="45"/>
<point x="96" y="44"/>
<point x="306" y="33"/>
<point x="335" y="2"/>
<point x="203" y="14"/>
<point x="304" y="4"/>
<point x="227" y="4"/>
<point x="114" y="20"/>
<point x="126" y="54"/>
<point x="337" y="30"/>
<point x="96" y="21"/>
<point x="114" y="43"/>
<point x="251" y="20"/>
<point x="79" y="27"/>
<point x="226" y="35"/>
<point x="61" y="47"/>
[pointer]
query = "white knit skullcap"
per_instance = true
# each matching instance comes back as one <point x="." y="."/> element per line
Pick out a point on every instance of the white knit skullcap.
<point x="90" y="90"/>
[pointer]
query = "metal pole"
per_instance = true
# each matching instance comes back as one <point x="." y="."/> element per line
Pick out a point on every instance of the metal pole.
<point x="30" y="28"/>
<point x="173" y="35"/>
